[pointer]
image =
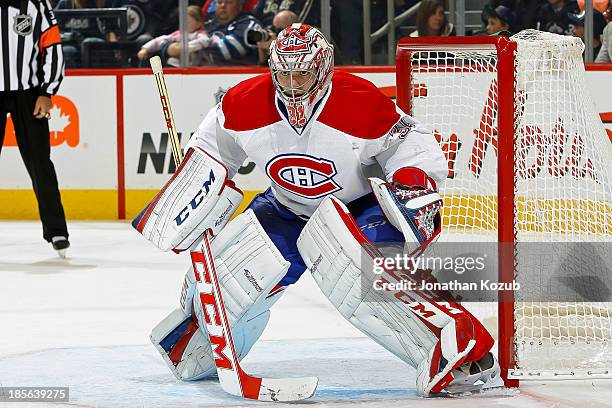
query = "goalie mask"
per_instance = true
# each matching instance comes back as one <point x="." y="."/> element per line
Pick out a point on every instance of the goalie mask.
<point x="302" y="64"/>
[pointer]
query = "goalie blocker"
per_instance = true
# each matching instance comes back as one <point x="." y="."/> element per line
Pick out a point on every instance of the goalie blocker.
<point x="197" y="197"/>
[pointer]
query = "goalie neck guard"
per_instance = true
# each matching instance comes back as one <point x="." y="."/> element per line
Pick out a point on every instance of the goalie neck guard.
<point x="302" y="64"/>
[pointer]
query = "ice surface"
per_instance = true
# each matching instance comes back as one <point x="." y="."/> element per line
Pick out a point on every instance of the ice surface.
<point x="84" y="322"/>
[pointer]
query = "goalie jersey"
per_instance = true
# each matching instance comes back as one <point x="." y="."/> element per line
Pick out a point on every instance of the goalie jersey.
<point x="352" y="127"/>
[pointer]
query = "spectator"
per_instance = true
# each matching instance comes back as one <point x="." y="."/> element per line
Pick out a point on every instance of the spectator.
<point x="169" y="46"/>
<point x="431" y="20"/>
<point x="208" y="8"/>
<point x="554" y="16"/>
<point x="599" y="23"/>
<point x="309" y="11"/>
<point x="228" y="34"/>
<point x="25" y="93"/>
<point x="282" y="20"/>
<point x="605" y="53"/>
<point x="346" y="18"/>
<point x="159" y="17"/>
<point x="347" y="29"/>
<point x="266" y="10"/>
<point x="525" y="12"/>
<point x="500" y="19"/>
<point x="148" y="19"/>
<point x="305" y="10"/>
<point x="347" y="25"/>
<point x="79" y="32"/>
<point x="599" y="5"/>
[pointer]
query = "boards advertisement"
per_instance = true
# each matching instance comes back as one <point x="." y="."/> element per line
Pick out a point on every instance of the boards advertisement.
<point x="111" y="148"/>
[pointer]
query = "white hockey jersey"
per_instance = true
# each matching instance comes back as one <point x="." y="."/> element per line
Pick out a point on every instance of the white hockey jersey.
<point x="353" y="126"/>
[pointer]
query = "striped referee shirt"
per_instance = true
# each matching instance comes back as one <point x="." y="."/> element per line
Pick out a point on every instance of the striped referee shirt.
<point x="31" y="50"/>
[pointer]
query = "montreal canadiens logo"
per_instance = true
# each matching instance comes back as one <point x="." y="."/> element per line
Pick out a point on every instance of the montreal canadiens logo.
<point x="303" y="175"/>
<point x="294" y="43"/>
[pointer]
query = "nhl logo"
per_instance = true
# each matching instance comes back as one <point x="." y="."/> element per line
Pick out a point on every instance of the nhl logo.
<point x="22" y="24"/>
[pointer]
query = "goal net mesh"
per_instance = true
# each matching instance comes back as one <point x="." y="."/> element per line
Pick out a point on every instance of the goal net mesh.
<point x="562" y="186"/>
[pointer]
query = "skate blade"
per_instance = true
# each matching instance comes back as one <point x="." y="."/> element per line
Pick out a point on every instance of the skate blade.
<point x="494" y="391"/>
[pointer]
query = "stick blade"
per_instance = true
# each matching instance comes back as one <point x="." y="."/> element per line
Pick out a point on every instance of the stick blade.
<point x="266" y="389"/>
<point x="287" y="389"/>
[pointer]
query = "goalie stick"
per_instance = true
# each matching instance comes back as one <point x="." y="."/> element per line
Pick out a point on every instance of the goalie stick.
<point x="175" y="143"/>
<point x="232" y="377"/>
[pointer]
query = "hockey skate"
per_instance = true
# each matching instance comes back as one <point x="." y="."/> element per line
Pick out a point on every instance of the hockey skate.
<point x="473" y="376"/>
<point x="60" y="244"/>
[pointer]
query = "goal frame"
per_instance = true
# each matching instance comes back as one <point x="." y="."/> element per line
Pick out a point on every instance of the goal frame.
<point x="506" y="52"/>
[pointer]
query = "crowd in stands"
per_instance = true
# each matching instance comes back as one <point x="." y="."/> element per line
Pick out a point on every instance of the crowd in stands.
<point x="559" y="16"/>
<point x="564" y="17"/>
<point x="239" y="32"/>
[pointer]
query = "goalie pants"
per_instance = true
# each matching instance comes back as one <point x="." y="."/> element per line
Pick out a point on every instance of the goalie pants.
<point x="284" y="227"/>
<point x="34" y="146"/>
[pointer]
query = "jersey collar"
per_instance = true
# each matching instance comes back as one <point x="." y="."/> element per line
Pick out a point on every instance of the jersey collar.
<point x="318" y="108"/>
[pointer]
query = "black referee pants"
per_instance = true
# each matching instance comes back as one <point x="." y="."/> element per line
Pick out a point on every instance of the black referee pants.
<point x="34" y="147"/>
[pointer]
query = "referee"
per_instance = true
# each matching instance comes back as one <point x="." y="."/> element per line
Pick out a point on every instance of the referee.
<point x="32" y="67"/>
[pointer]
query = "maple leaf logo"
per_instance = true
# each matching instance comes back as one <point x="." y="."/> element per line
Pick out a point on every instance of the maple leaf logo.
<point x="63" y="125"/>
<point x="58" y="120"/>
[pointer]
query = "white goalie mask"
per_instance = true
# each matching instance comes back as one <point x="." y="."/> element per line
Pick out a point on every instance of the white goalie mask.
<point x="302" y="65"/>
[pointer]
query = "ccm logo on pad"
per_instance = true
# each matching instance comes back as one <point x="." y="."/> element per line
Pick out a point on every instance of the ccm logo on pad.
<point x="303" y="175"/>
<point x="195" y="201"/>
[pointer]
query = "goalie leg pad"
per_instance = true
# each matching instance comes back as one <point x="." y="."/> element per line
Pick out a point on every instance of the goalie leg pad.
<point x="249" y="268"/>
<point x="183" y="346"/>
<point x="333" y="255"/>
<point x="248" y="264"/>
<point x="197" y="197"/>
<point x="434" y="337"/>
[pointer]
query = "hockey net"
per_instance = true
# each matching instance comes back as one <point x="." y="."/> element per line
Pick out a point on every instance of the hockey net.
<point x="529" y="162"/>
